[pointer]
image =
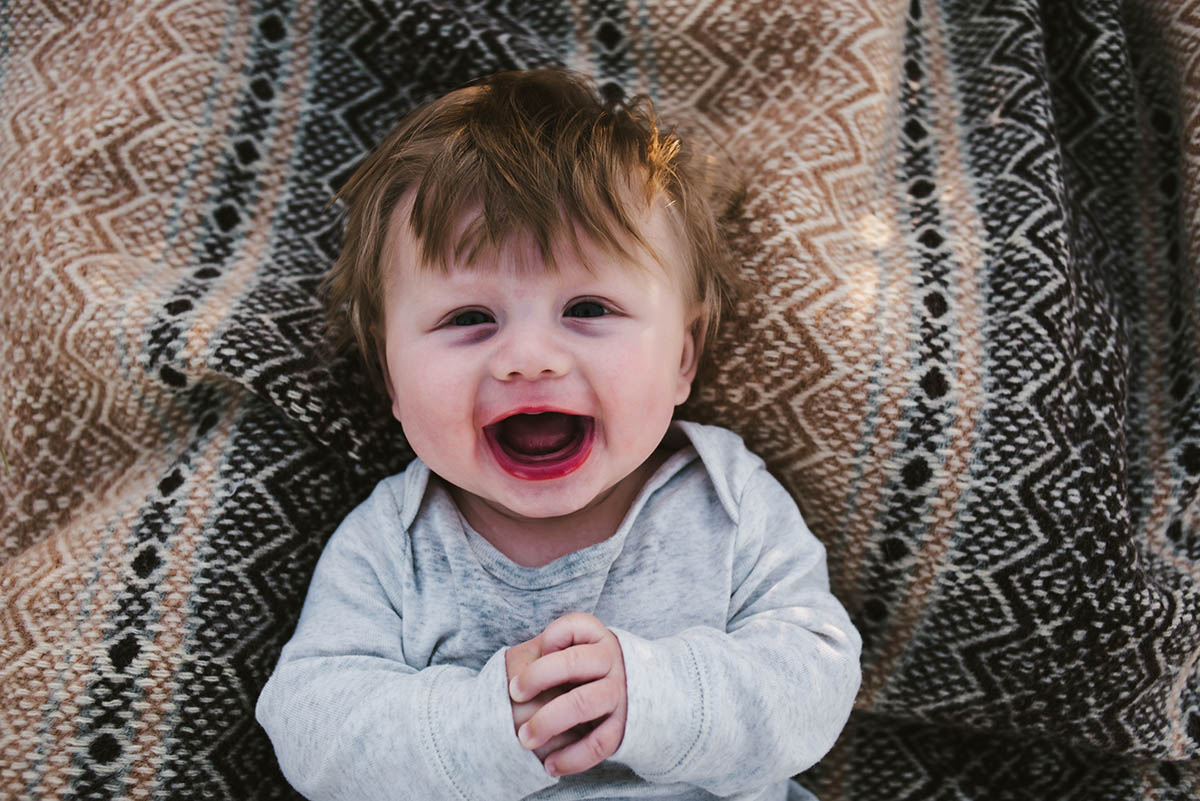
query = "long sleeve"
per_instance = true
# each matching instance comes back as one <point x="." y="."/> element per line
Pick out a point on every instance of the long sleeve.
<point x="738" y="709"/>
<point x="350" y="719"/>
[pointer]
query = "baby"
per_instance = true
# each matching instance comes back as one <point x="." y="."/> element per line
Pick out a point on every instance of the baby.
<point x="567" y="594"/>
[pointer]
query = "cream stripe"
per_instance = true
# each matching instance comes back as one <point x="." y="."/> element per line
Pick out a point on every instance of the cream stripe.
<point x="850" y="245"/>
<point x="169" y="648"/>
<point x="894" y="336"/>
<point x="966" y="232"/>
<point x="581" y="57"/>
<point x="1163" y="487"/>
<point x="247" y="263"/>
<point x="78" y="652"/>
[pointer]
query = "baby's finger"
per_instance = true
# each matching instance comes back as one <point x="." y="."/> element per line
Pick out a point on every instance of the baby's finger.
<point x="585" y="703"/>
<point x="524" y="710"/>
<point x="516" y="657"/>
<point x="575" y="628"/>
<point x="560" y="741"/>
<point x="574" y="665"/>
<point x="601" y="743"/>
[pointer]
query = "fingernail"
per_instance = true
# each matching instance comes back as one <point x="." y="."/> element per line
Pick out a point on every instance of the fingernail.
<point x="552" y="769"/>
<point x="512" y="689"/>
<point x="523" y="735"/>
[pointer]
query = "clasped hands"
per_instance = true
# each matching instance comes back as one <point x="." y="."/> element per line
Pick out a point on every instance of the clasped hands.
<point x="568" y="696"/>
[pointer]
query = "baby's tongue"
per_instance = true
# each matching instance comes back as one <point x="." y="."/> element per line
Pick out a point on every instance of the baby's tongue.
<point x="538" y="434"/>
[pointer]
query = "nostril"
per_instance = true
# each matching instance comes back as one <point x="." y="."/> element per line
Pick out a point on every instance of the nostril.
<point x="531" y="360"/>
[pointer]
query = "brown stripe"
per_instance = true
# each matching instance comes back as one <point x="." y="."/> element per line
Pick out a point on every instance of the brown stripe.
<point x="113" y="145"/>
<point x="78" y="280"/>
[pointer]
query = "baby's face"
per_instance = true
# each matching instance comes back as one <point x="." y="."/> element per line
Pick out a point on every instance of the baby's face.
<point x="537" y="391"/>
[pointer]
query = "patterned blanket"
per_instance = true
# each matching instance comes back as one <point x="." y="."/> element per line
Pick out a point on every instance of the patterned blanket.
<point x="971" y="353"/>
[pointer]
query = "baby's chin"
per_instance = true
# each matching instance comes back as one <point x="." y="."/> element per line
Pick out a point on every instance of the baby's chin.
<point x="551" y="506"/>
<point x="562" y="501"/>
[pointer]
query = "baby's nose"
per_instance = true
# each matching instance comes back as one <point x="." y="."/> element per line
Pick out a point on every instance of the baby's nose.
<point x="530" y="352"/>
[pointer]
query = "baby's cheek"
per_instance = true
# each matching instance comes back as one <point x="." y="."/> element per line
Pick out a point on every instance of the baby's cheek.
<point x="432" y="410"/>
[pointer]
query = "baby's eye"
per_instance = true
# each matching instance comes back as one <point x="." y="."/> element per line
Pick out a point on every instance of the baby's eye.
<point x="471" y="317"/>
<point x="586" y="308"/>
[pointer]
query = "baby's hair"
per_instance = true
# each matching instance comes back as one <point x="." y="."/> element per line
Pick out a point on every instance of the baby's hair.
<point x="537" y="153"/>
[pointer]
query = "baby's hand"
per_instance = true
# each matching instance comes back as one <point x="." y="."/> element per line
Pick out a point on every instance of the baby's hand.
<point x="516" y="658"/>
<point x="579" y="659"/>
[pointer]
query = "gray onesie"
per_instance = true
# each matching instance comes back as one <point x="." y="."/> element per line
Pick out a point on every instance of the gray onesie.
<point x="741" y="667"/>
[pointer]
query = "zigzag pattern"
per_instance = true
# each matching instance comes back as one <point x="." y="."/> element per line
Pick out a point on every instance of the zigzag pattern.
<point x="970" y="352"/>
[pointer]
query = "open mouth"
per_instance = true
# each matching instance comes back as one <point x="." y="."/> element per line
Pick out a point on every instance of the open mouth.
<point x="541" y="446"/>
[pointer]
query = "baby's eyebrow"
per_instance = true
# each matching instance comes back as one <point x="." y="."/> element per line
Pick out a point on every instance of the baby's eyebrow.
<point x="465" y="278"/>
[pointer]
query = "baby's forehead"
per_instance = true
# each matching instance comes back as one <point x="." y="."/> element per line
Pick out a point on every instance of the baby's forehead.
<point x="572" y="248"/>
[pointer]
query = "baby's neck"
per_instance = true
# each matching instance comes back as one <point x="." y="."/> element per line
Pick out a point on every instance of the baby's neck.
<point x="534" y="542"/>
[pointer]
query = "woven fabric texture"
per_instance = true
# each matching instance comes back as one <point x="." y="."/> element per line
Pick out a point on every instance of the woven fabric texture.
<point x="970" y="351"/>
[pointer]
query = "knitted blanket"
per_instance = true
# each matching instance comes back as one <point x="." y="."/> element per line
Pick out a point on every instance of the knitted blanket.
<point x="970" y="352"/>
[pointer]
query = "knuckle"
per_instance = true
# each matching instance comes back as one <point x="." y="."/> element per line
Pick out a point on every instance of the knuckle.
<point x="595" y="748"/>
<point x="580" y="705"/>
<point x="570" y="661"/>
<point x="569" y="658"/>
<point x="608" y="742"/>
<point x="581" y="620"/>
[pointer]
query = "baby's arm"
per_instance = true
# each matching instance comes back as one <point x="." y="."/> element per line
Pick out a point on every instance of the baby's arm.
<point x="349" y="718"/>
<point x="766" y="698"/>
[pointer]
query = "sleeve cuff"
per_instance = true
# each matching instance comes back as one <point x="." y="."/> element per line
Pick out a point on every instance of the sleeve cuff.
<point x="472" y="738"/>
<point x="667" y="706"/>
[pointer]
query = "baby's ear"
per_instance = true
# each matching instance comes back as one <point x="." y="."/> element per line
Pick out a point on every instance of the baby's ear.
<point x="381" y="356"/>
<point x="689" y="362"/>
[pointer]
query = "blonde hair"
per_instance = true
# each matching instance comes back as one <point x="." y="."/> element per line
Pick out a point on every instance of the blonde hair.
<point x="535" y="153"/>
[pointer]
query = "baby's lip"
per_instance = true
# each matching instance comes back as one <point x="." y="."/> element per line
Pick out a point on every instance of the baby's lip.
<point x="531" y="410"/>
